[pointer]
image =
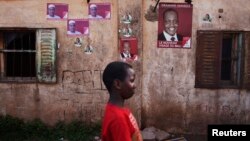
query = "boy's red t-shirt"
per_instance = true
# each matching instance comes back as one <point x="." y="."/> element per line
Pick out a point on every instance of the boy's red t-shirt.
<point x="119" y="125"/>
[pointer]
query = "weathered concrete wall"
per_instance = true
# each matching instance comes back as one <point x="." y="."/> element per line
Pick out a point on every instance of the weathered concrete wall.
<point x="170" y="100"/>
<point x="165" y="77"/>
<point x="134" y="8"/>
<point x="79" y="93"/>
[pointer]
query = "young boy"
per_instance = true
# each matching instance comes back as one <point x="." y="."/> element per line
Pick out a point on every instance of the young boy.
<point x="119" y="124"/>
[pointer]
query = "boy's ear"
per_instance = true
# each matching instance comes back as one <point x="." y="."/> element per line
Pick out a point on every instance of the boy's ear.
<point x="117" y="84"/>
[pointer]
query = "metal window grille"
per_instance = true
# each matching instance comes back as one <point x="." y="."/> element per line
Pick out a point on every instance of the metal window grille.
<point x="18" y="55"/>
<point x="230" y="58"/>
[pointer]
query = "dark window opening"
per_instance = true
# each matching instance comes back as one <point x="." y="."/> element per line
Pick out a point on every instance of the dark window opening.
<point x="220" y="59"/>
<point x="226" y="58"/>
<point x="28" y="55"/>
<point x="19" y="53"/>
<point x="230" y="62"/>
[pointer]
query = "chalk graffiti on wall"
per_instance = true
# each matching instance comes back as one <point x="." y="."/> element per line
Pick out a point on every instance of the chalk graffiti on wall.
<point x="226" y="113"/>
<point x="82" y="81"/>
<point x="74" y="109"/>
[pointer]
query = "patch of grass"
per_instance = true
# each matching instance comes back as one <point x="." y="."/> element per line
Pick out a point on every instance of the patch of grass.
<point x="14" y="129"/>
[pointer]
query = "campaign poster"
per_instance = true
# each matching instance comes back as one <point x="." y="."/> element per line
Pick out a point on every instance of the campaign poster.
<point x="128" y="49"/>
<point x="99" y="11"/>
<point x="175" y="25"/>
<point x="57" y="11"/>
<point x="77" y="27"/>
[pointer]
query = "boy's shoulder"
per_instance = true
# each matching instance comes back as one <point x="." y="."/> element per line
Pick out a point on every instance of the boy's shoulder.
<point x="115" y="115"/>
<point x="116" y="112"/>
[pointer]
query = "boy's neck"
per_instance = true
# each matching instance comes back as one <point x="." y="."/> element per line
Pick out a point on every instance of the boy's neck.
<point x="116" y="99"/>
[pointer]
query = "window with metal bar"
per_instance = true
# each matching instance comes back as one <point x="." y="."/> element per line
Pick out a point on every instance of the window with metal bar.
<point x="230" y="58"/>
<point x="222" y="59"/>
<point x="18" y="55"/>
<point x="28" y="55"/>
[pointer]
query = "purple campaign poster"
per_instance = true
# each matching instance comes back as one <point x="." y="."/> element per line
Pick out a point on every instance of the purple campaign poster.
<point x="77" y="27"/>
<point x="57" y="11"/>
<point x="99" y="11"/>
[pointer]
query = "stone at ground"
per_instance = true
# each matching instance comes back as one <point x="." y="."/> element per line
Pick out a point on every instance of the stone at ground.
<point x="150" y="129"/>
<point x="177" y="139"/>
<point x="162" y="135"/>
<point x="152" y="133"/>
<point x="148" y="135"/>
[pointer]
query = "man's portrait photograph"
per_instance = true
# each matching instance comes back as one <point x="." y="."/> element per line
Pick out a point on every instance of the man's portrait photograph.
<point x="88" y="49"/>
<point x="57" y="11"/>
<point x="128" y="49"/>
<point x="127" y="18"/>
<point x="126" y="31"/>
<point x="99" y="11"/>
<point x="78" y="27"/>
<point x="78" y="42"/>
<point x="175" y="25"/>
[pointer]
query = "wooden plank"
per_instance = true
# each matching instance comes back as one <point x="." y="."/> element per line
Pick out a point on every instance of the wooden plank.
<point x="1" y="56"/>
<point x="207" y="59"/>
<point x="247" y="62"/>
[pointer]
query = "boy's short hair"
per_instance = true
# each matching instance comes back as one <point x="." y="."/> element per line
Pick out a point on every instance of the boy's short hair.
<point x="114" y="70"/>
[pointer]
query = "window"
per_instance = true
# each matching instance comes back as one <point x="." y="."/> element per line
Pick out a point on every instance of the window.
<point x="222" y="59"/>
<point x="27" y="55"/>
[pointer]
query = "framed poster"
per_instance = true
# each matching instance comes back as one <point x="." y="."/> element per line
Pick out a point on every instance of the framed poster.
<point x="175" y="25"/>
<point x="99" y="11"/>
<point x="78" y="27"/>
<point x="57" y="11"/>
<point x="128" y="49"/>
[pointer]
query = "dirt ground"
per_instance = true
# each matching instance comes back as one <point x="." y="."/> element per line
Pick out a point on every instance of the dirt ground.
<point x="190" y="137"/>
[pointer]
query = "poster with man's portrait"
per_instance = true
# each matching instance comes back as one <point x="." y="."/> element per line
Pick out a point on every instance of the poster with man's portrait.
<point x="128" y="49"/>
<point x="78" y="27"/>
<point x="57" y="11"/>
<point x="99" y="11"/>
<point x="175" y="25"/>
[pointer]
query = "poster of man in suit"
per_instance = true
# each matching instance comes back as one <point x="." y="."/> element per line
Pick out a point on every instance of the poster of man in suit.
<point x="128" y="49"/>
<point x="175" y="25"/>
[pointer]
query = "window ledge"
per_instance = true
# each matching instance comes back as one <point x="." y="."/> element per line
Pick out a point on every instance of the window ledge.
<point x="18" y="80"/>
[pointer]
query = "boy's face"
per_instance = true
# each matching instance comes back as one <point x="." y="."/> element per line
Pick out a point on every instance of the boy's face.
<point x="128" y="85"/>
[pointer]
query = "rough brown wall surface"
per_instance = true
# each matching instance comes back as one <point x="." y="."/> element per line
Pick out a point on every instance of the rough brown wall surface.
<point x="134" y="8"/>
<point x="170" y="100"/>
<point x="165" y="76"/>
<point x="79" y="92"/>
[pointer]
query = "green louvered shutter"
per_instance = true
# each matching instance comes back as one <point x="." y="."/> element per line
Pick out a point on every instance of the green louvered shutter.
<point x="46" y="55"/>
